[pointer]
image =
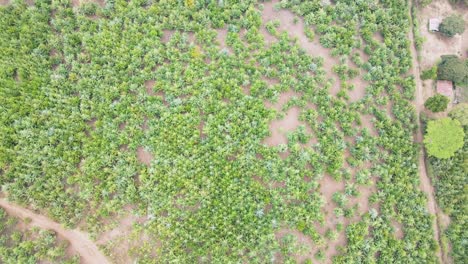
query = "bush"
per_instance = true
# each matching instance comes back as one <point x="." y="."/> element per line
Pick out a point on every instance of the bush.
<point x="460" y="113"/>
<point x="423" y="3"/>
<point x="452" y="25"/>
<point x="444" y="136"/>
<point x="437" y="103"/>
<point x="465" y="2"/>
<point x="430" y="73"/>
<point x="453" y="69"/>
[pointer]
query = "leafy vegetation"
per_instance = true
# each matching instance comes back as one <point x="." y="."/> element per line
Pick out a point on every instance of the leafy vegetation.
<point x="450" y="179"/>
<point x="437" y="103"/>
<point x="452" y="25"/>
<point x="443" y="137"/>
<point x="83" y="90"/>
<point x="31" y="245"/>
<point x="423" y="3"/>
<point x="460" y="113"/>
<point x="430" y="73"/>
<point x="453" y="69"/>
<point x="465" y="2"/>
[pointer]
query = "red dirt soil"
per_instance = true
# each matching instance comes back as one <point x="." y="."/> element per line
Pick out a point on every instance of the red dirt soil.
<point x="144" y="156"/>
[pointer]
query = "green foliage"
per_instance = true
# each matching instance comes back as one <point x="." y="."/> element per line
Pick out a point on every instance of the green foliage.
<point x="418" y="38"/>
<point x="452" y="25"/>
<point x="463" y="2"/>
<point x="423" y="3"/>
<point x="437" y="103"/>
<point x="443" y="137"/>
<point x="31" y="245"/>
<point x="453" y="69"/>
<point x="430" y="73"/>
<point x="77" y="106"/>
<point x="450" y="180"/>
<point x="460" y="113"/>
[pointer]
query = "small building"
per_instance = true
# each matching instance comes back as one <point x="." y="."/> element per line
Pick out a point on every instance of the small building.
<point x="445" y="88"/>
<point x="434" y="24"/>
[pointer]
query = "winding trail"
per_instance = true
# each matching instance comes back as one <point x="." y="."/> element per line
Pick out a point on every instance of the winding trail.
<point x="79" y="241"/>
<point x="426" y="184"/>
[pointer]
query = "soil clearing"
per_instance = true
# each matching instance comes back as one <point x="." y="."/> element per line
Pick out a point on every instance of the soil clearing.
<point x="436" y="44"/>
<point x="144" y="156"/>
<point x="79" y="241"/>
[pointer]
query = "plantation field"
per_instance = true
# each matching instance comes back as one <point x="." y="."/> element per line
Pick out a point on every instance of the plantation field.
<point x="204" y="131"/>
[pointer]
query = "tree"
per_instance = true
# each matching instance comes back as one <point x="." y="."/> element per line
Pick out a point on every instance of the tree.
<point x="460" y="113"/>
<point x="437" y="103"/>
<point x="443" y="137"/>
<point x="452" y="25"/>
<point x="453" y="69"/>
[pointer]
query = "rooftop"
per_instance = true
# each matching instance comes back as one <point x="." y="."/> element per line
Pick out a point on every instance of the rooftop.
<point x="445" y="88"/>
<point x="434" y="24"/>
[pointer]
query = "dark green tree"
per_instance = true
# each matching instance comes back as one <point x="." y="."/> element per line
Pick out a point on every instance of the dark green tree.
<point x="452" y="25"/>
<point x="437" y="103"/>
<point x="453" y="69"/>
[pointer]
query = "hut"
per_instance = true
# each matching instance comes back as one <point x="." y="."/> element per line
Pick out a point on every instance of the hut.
<point x="445" y="88"/>
<point x="434" y="24"/>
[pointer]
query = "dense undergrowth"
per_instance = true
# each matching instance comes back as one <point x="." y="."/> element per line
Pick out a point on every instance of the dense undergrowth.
<point x="450" y="178"/>
<point x="75" y="109"/>
<point x="30" y="245"/>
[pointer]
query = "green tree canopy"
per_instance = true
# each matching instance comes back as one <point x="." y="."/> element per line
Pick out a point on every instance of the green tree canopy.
<point x="443" y="137"/>
<point x="452" y="25"/>
<point x="437" y="103"/>
<point x="460" y="113"/>
<point x="453" y="69"/>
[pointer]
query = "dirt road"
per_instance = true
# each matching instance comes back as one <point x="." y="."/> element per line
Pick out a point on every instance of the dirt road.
<point x="79" y="241"/>
<point x="425" y="185"/>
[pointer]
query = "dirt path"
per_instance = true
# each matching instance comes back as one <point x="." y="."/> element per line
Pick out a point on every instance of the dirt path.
<point x="425" y="185"/>
<point x="79" y="241"/>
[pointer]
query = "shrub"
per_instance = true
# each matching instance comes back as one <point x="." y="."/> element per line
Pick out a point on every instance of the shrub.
<point x="423" y="3"/>
<point x="452" y="25"/>
<point x="444" y="136"/>
<point x="430" y="73"/>
<point x="437" y="103"/>
<point x="460" y="113"/>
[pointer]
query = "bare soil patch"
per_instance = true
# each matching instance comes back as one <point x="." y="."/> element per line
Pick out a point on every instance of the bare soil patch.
<point x="122" y="126"/>
<point x="144" y="156"/>
<point x="362" y="200"/>
<point x="435" y="43"/>
<point x="166" y="36"/>
<point x="279" y="128"/>
<point x="222" y="38"/>
<point x="366" y="122"/>
<point x="149" y="85"/>
<point x="77" y="3"/>
<point x="283" y="98"/>
<point x="398" y="228"/>
<point x="359" y="89"/>
<point x="4" y="2"/>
